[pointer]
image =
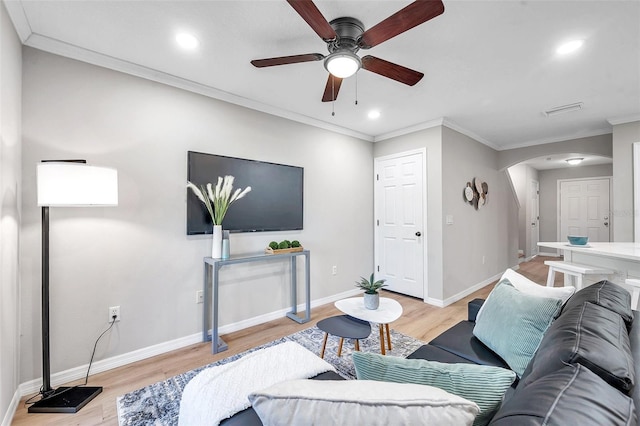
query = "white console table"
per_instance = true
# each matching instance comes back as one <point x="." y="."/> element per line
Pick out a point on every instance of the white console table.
<point x="211" y="272"/>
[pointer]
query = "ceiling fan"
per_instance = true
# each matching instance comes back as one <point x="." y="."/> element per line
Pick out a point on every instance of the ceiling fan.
<point x="346" y="36"/>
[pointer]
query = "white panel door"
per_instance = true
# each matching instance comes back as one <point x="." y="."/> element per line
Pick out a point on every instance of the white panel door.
<point x="399" y="223"/>
<point x="584" y="209"/>
<point x="535" y="216"/>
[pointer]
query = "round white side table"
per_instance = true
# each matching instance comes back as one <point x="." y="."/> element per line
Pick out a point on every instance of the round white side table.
<point x="388" y="311"/>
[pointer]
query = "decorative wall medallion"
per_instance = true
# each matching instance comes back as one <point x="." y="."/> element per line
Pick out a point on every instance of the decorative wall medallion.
<point x="475" y="193"/>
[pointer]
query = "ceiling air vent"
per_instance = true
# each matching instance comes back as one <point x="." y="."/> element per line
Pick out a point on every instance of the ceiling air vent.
<point x="564" y="108"/>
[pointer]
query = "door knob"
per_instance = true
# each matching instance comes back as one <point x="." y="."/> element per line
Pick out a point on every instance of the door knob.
<point x="606" y="224"/>
<point x="418" y="234"/>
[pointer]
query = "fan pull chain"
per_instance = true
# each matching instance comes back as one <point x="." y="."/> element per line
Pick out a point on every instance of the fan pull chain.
<point x="333" y="96"/>
<point x="356" y="88"/>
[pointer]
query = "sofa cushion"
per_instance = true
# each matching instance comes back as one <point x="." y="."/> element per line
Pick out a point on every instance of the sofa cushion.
<point x="460" y="341"/>
<point x="249" y="417"/>
<point x="607" y="295"/>
<point x="482" y="384"/>
<point x="527" y="286"/>
<point x="322" y="402"/>
<point x="512" y="324"/>
<point x="592" y="336"/>
<point x="572" y="395"/>
<point x="434" y="353"/>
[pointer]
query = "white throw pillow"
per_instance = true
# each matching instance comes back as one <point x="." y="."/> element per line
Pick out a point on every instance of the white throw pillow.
<point x="344" y="402"/>
<point x="525" y="285"/>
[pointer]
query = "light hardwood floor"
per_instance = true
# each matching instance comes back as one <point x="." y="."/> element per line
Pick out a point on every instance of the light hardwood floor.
<point x="419" y="320"/>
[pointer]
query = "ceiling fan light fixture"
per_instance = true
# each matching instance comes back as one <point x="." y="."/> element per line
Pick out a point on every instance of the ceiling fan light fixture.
<point x="342" y="64"/>
<point x="574" y="161"/>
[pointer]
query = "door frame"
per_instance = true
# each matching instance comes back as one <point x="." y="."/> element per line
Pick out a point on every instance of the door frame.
<point x="559" y="199"/>
<point x="636" y="192"/>
<point x="376" y="201"/>
<point x="533" y="246"/>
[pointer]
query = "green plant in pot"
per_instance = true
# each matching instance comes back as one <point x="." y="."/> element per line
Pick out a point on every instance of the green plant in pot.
<point x="371" y="287"/>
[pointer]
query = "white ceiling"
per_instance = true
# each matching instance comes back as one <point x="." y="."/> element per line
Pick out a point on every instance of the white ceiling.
<point x="490" y="66"/>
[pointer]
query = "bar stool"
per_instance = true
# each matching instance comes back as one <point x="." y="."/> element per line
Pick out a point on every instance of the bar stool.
<point x="635" y="295"/>
<point x="573" y="272"/>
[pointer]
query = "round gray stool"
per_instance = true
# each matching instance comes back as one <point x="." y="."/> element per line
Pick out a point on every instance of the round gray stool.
<point x="345" y="327"/>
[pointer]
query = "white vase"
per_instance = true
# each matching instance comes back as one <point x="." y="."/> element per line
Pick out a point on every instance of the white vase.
<point x="371" y="301"/>
<point x="216" y="248"/>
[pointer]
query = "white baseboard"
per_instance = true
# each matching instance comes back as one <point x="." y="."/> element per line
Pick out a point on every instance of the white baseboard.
<point x="11" y="410"/>
<point x="57" y="379"/>
<point x="448" y="301"/>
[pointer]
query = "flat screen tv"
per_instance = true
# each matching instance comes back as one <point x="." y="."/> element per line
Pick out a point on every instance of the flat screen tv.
<point x="275" y="202"/>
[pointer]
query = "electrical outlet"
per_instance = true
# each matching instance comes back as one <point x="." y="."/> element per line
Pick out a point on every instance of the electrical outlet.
<point x="334" y="270"/>
<point x="199" y="296"/>
<point x="114" y="311"/>
<point x="484" y="260"/>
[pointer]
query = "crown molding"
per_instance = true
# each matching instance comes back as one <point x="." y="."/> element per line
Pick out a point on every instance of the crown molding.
<point x="624" y="119"/>
<point x="566" y="137"/>
<point x="454" y="126"/>
<point x="19" y="19"/>
<point x="443" y="121"/>
<point x="408" y="130"/>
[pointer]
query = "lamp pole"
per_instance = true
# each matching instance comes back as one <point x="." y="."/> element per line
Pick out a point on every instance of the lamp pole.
<point x="46" y="362"/>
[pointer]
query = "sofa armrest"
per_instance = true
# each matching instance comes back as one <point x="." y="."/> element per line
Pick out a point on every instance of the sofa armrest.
<point x="473" y="308"/>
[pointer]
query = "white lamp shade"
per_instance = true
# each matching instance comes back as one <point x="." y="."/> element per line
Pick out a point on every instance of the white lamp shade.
<point x="67" y="184"/>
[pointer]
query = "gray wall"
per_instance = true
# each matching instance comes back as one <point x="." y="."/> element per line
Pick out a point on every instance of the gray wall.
<point x="624" y="136"/>
<point x="137" y="255"/>
<point x="10" y="152"/>
<point x="549" y="194"/>
<point x="491" y="231"/>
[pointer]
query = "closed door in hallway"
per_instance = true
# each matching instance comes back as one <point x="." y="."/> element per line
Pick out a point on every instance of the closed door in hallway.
<point x="584" y="209"/>
<point x="400" y="233"/>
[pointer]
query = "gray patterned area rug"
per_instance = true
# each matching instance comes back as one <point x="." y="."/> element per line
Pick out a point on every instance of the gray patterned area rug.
<point x="159" y="403"/>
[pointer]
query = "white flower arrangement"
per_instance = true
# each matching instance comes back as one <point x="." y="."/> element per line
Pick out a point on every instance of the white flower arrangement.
<point x="218" y="199"/>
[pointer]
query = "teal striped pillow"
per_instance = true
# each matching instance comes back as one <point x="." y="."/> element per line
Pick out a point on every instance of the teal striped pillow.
<point x="485" y="385"/>
<point x="512" y="324"/>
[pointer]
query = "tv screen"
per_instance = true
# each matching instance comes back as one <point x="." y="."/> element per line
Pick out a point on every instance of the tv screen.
<point x="275" y="202"/>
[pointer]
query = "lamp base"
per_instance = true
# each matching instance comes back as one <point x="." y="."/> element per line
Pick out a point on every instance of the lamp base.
<point x="66" y="400"/>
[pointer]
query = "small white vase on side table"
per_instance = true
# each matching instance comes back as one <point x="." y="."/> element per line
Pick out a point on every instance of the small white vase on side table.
<point x="216" y="248"/>
<point x="388" y="311"/>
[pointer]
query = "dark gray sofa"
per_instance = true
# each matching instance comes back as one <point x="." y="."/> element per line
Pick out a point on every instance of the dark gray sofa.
<point x="582" y="374"/>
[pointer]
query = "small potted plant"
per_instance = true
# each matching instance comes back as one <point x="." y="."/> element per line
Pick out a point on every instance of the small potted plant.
<point x="371" y="287"/>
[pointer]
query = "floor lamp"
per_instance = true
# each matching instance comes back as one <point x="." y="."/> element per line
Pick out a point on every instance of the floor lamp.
<point x="70" y="183"/>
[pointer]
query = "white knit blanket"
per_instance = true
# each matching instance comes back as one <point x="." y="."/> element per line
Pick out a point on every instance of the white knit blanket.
<point x="219" y="392"/>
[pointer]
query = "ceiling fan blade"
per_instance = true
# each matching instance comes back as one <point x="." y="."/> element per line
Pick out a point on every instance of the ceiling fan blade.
<point x="284" y="60"/>
<point x="390" y="70"/>
<point x="310" y="13"/>
<point x="331" y="89"/>
<point x="411" y="16"/>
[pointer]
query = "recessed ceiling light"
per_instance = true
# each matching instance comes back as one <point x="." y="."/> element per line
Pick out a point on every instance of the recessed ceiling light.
<point x="373" y="114"/>
<point x="187" y="41"/>
<point x="569" y="47"/>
